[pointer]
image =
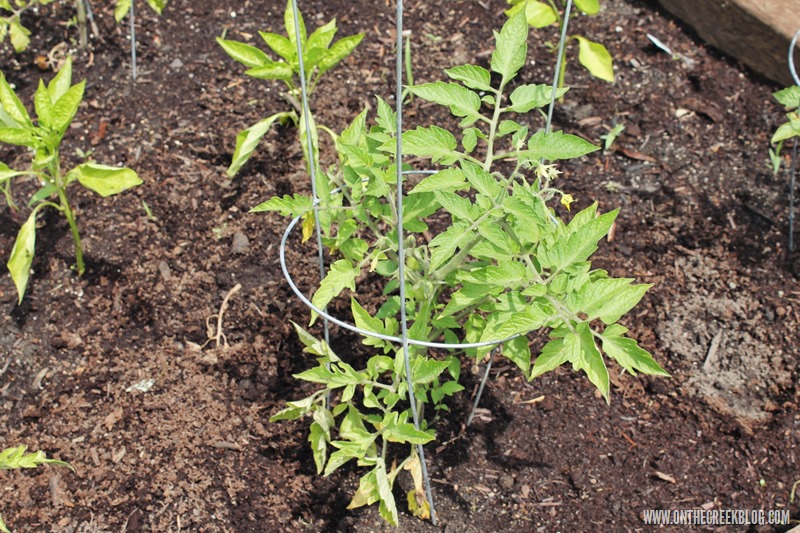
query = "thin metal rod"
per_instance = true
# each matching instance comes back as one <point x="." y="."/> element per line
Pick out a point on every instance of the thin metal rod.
<point x="482" y="385"/>
<point x="312" y="164"/>
<point x="561" y="44"/>
<point x="133" y="40"/>
<point x="401" y="249"/>
<point x="792" y="174"/>
<point x="414" y="342"/>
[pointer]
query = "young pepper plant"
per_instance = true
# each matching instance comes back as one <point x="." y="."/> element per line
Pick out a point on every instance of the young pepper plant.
<point x="592" y="55"/>
<point x="504" y="265"/>
<point x="319" y="54"/>
<point x="12" y="458"/>
<point x="56" y="105"/>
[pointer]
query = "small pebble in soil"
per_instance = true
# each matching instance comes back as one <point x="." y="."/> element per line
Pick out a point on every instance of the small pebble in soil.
<point x="241" y="244"/>
<point x="506" y="481"/>
<point x="176" y="64"/>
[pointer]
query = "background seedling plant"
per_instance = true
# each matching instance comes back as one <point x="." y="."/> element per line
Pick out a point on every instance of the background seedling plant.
<point x="12" y="458"/>
<point x="10" y="24"/>
<point x="56" y="104"/>
<point x="594" y="56"/>
<point x="319" y="54"/>
<point x="504" y="266"/>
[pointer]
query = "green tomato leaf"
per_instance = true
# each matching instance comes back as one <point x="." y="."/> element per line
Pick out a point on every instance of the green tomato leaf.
<point x="584" y="355"/>
<point x="469" y="140"/>
<point x="579" y="246"/>
<point x="342" y="275"/>
<point x="788" y="97"/>
<point x="434" y="142"/>
<point x="472" y="76"/>
<point x="517" y="350"/>
<point x="527" y="97"/>
<point x="319" y="446"/>
<point x="531" y="318"/>
<point x="556" y="145"/>
<point x="628" y="353"/>
<point x="450" y="179"/>
<point x="425" y="370"/>
<point x="246" y="54"/>
<point x="607" y="299"/>
<point x="459" y="208"/>
<point x="157" y="5"/>
<point x="787" y="130"/>
<point x="408" y="433"/>
<point x="388" y="508"/>
<point x="553" y="355"/>
<point x="596" y="58"/>
<point x="19" y="35"/>
<point x="288" y="206"/>
<point x="104" y="180"/>
<point x="19" y="265"/>
<point x="512" y="47"/>
<point x="367" y="492"/>
<point x="444" y="245"/>
<point x="461" y="101"/>
<point x="481" y="180"/>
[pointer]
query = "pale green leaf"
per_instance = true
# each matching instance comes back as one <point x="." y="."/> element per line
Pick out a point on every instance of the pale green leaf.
<point x="444" y="245"/>
<point x="472" y="76"/>
<point x="279" y="44"/>
<point x="469" y="140"/>
<point x="293" y="206"/>
<point x="552" y="356"/>
<point x="539" y="14"/>
<point x="19" y="35"/>
<point x="450" y="179"/>
<point x="584" y="355"/>
<point x="121" y="9"/>
<point x="579" y="246"/>
<point x="532" y="318"/>
<point x="787" y="130"/>
<point x="481" y="180"/>
<point x="19" y="264"/>
<point x="527" y="97"/>
<point x="425" y="370"/>
<point x="322" y="36"/>
<point x="607" y="299"/>
<point x="507" y="275"/>
<point x="61" y="82"/>
<point x="458" y="207"/>
<point x="341" y="275"/>
<point x="319" y="446"/>
<point x="18" y="136"/>
<point x="273" y="71"/>
<point x="517" y="350"/>
<point x="367" y="492"/>
<point x="434" y="142"/>
<point x="43" y="105"/>
<point x="157" y="5"/>
<point x="12" y="105"/>
<point x="247" y="140"/>
<point x="461" y="101"/>
<point x="408" y="433"/>
<point x="788" y="97"/>
<point x="556" y="145"/>
<point x="596" y="58"/>
<point x="105" y="180"/>
<point x="288" y="23"/>
<point x="338" y="51"/>
<point x="512" y="47"/>
<point x="628" y="353"/>
<point x="388" y="509"/>
<point x="246" y="54"/>
<point x="589" y="7"/>
<point x="65" y="108"/>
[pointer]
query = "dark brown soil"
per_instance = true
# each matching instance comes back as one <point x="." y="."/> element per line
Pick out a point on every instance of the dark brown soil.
<point x="702" y="218"/>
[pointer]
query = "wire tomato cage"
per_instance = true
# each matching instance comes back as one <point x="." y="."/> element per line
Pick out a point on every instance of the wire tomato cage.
<point x="793" y="168"/>
<point x="404" y="340"/>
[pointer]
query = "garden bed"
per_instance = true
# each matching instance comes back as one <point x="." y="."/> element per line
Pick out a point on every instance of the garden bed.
<point x="702" y="217"/>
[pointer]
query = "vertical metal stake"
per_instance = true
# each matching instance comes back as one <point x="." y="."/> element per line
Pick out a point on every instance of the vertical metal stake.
<point x="312" y="164"/>
<point x="483" y="384"/>
<point x="133" y="40"/>
<point x="559" y="60"/>
<point x="401" y="249"/>
<point x="792" y="174"/>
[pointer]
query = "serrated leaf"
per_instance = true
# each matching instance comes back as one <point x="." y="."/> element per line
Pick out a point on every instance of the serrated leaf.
<point x="461" y="101"/>
<point x="517" y="350"/>
<point x="481" y="180"/>
<point x="408" y="433"/>
<point x="466" y="296"/>
<point x="340" y="374"/>
<point x="388" y="509"/>
<point x="532" y="318"/>
<point x="342" y="275"/>
<point x="246" y="54"/>
<point x="294" y="206"/>
<point x="19" y="35"/>
<point x="787" y="130"/>
<point x="444" y="245"/>
<point x="450" y="179"/>
<point x="552" y="356"/>
<point x="367" y="492"/>
<point x="584" y="355"/>
<point x="527" y="97"/>
<point x="416" y="207"/>
<point x="19" y="264"/>
<point x="556" y="145"/>
<point x="472" y="76"/>
<point x="607" y="299"/>
<point x="387" y="118"/>
<point x="512" y="47"/>
<point x="469" y="139"/>
<point x="247" y="140"/>
<point x="338" y="51"/>
<point x="579" y="246"/>
<point x="596" y="58"/>
<point x="104" y="180"/>
<point x="788" y="97"/>
<point x="458" y="207"/>
<point x="506" y="275"/>
<point x="425" y="370"/>
<point x="629" y="355"/>
<point x="434" y="142"/>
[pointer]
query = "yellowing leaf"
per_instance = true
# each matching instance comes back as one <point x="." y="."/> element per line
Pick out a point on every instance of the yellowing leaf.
<point x="596" y="58"/>
<point x="308" y="225"/>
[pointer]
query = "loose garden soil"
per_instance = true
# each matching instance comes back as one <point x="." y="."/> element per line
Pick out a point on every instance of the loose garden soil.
<point x="702" y="218"/>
